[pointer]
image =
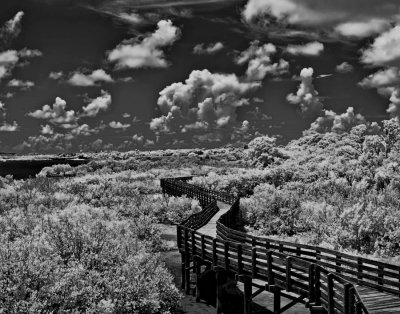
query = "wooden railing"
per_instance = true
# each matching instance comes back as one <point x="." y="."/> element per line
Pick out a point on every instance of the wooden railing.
<point x="326" y="278"/>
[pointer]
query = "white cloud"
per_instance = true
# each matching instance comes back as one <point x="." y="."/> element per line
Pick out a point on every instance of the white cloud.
<point x="101" y="103"/>
<point x="57" y="114"/>
<point x="337" y="123"/>
<point x="293" y="12"/>
<point x="213" y="48"/>
<point x="11" y="29"/>
<point x="29" y="53"/>
<point x="21" y="84"/>
<point x="6" y="127"/>
<point x="132" y="18"/>
<point x="259" y="61"/>
<point x="56" y="75"/>
<point x="119" y="125"/>
<point x="310" y="49"/>
<point x="344" y="67"/>
<point x="354" y="19"/>
<point x="385" y="49"/>
<point x="384" y="78"/>
<point x="80" y="79"/>
<point x="146" y="53"/>
<point x="205" y="101"/>
<point x="10" y="58"/>
<point x="138" y="138"/>
<point x="46" y="130"/>
<point x="363" y="29"/>
<point x="306" y="97"/>
<point x="394" y="106"/>
<point x="126" y="115"/>
<point x="84" y="130"/>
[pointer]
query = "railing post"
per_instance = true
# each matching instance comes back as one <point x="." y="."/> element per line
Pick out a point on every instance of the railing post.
<point x="331" y="300"/>
<point x="254" y="262"/>
<point x="214" y="251"/>
<point x="359" y="268"/>
<point x="193" y="244"/>
<point x="247" y="294"/>
<point x="183" y="272"/>
<point x="347" y="298"/>
<point x="311" y="283"/>
<point x="288" y="275"/>
<point x="203" y="248"/>
<point x="187" y="262"/>
<point x="198" y="271"/>
<point x="239" y="259"/>
<point x="317" y="285"/>
<point x="270" y="270"/>
<point x="380" y="275"/>
<point x="226" y="254"/>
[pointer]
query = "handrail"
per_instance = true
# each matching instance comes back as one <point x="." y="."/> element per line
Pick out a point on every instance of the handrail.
<point x="326" y="277"/>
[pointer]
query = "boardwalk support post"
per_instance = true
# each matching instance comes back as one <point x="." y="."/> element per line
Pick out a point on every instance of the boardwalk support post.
<point x="197" y="267"/>
<point x="277" y="299"/>
<point x="247" y="282"/>
<point x="218" y="277"/>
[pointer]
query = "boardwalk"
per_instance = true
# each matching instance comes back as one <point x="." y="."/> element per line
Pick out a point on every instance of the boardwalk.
<point x="210" y="228"/>
<point x="325" y="281"/>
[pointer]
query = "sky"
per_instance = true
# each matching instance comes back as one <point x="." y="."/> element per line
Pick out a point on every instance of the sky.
<point x="92" y="75"/>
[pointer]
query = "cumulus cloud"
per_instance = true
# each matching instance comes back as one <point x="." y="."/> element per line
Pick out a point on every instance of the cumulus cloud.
<point x="10" y="58"/>
<point x="354" y="19"/>
<point x="57" y="114"/>
<point x="4" y="125"/>
<point x="138" y="138"/>
<point x="310" y="49"/>
<point x="384" y="50"/>
<point x="118" y="125"/>
<point x="337" y="123"/>
<point x="306" y="97"/>
<point x="394" y="106"/>
<point x="290" y="11"/>
<point x="384" y="78"/>
<point x="344" y="67"/>
<point x="148" y="52"/>
<point x="260" y="63"/>
<point x="363" y="29"/>
<point x="80" y="79"/>
<point x="56" y="75"/>
<point x="101" y="103"/>
<point x="46" y="130"/>
<point x="205" y="101"/>
<point x="7" y="127"/>
<point x="11" y="29"/>
<point x="213" y="48"/>
<point x="25" y="85"/>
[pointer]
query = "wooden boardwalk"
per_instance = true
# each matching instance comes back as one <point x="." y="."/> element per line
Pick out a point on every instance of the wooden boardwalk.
<point x="325" y="281"/>
<point x="210" y="228"/>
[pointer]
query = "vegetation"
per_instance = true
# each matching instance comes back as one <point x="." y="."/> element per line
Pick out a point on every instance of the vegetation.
<point x="86" y="244"/>
<point x="90" y="242"/>
<point x="340" y="190"/>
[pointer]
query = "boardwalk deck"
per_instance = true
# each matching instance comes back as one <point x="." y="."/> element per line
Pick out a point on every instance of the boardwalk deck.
<point x="379" y="302"/>
<point x="210" y="228"/>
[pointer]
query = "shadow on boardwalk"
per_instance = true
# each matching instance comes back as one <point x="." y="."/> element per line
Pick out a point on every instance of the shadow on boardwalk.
<point x="188" y="304"/>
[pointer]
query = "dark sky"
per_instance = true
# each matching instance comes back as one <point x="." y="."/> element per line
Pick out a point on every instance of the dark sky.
<point x="126" y="74"/>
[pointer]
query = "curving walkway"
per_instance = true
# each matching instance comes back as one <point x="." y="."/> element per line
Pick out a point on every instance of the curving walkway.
<point x="325" y="281"/>
<point x="210" y="228"/>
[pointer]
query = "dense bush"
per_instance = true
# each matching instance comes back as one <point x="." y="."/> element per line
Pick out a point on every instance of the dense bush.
<point x="87" y="244"/>
<point x="340" y="190"/>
